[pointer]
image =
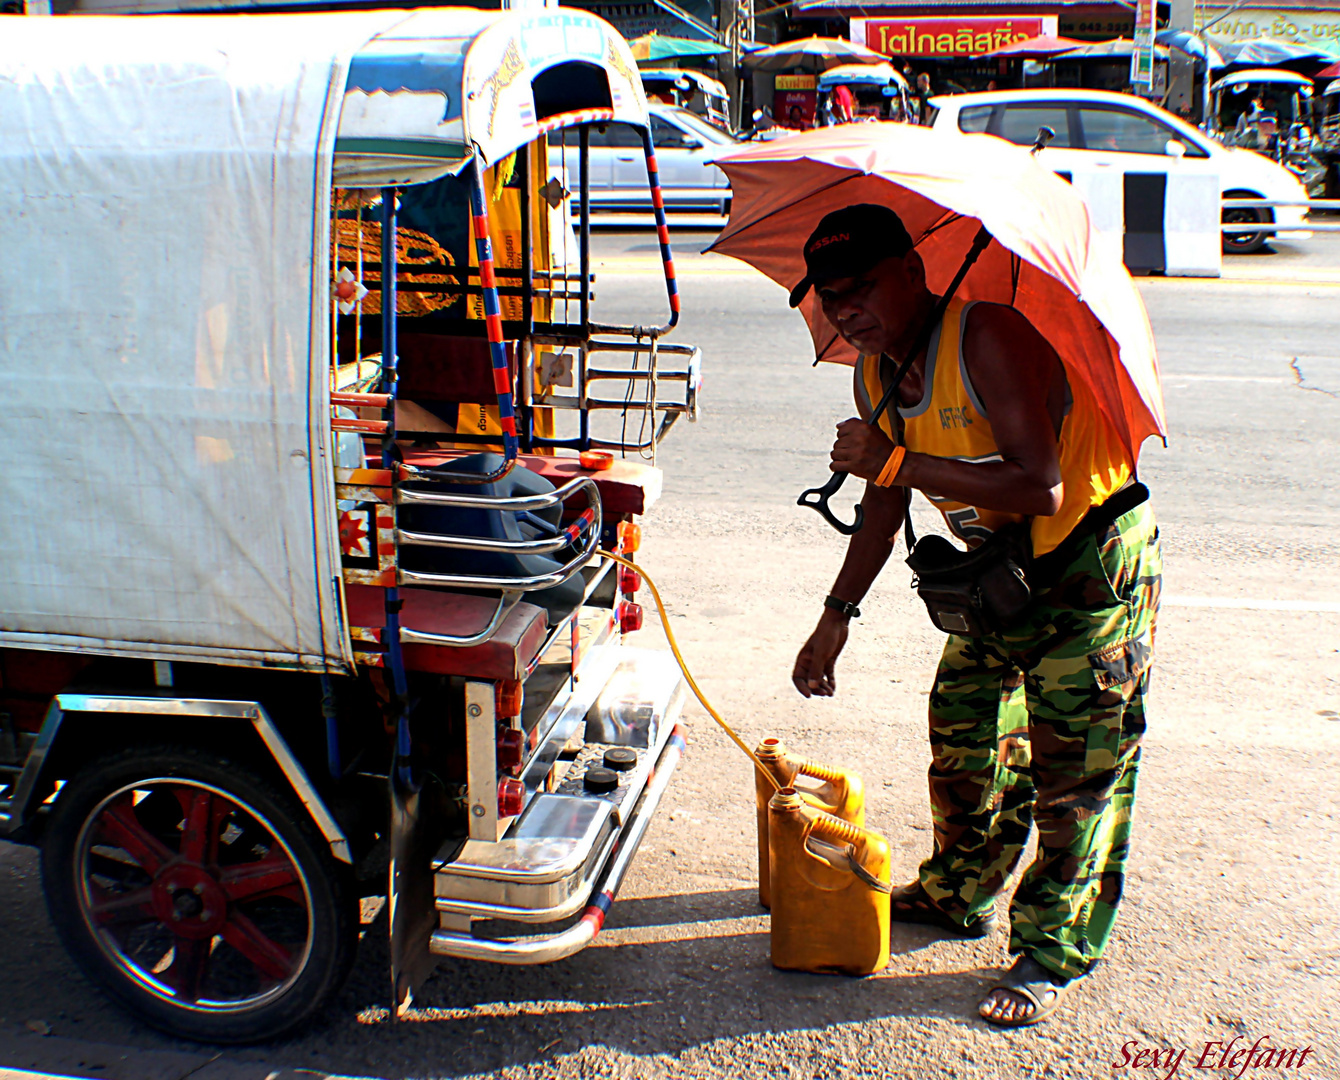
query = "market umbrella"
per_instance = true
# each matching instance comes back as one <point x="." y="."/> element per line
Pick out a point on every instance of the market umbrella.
<point x="1270" y="52"/>
<point x="656" y="46"/>
<point x="1042" y="259"/>
<point x="861" y="75"/>
<point x="1331" y="71"/>
<point x="1193" y="45"/>
<point x="816" y="53"/>
<point x="1114" y="49"/>
<point x="1035" y="48"/>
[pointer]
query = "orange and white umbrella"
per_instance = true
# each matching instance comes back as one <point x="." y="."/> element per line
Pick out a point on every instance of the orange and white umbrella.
<point x="1043" y="259"/>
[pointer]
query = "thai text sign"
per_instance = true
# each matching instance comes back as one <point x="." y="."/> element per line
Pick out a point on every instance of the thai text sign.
<point x="796" y="82"/>
<point x="1320" y="28"/>
<point x="964" y="36"/>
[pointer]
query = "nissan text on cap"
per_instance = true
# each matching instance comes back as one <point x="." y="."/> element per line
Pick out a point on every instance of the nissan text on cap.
<point x="850" y="241"/>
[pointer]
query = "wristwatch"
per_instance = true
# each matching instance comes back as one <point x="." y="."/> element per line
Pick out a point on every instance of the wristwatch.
<point x="851" y="611"/>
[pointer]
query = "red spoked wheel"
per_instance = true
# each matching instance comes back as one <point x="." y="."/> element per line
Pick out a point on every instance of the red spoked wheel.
<point x="198" y="895"/>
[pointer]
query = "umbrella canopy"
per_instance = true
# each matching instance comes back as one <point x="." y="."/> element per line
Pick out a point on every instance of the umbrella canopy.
<point x="655" y="46"/>
<point x="1261" y="75"/>
<point x="1330" y="71"/>
<point x="816" y="53"/>
<point x="1036" y="48"/>
<point x="1041" y="260"/>
<point x="1107" y="50"/>
<point x="1194" y="45"/>
<point x="1270" y="52"/>
<point x="861" y="75"/>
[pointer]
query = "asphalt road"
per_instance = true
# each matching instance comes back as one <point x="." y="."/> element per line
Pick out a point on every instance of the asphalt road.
<point x="1230" y="926"/>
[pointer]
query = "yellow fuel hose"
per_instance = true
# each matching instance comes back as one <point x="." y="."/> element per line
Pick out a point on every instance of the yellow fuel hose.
<point x="684" y="667"/>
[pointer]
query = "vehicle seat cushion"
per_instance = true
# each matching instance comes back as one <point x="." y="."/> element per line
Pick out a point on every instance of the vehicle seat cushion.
<point x="506" y="655"/>
<point x="441" y="368"/>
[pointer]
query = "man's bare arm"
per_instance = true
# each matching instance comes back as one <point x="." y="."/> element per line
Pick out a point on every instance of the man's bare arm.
<point x="867" y="552"/>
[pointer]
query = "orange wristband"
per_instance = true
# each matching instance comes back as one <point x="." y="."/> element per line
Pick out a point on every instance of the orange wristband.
<point x="891" y="467"/>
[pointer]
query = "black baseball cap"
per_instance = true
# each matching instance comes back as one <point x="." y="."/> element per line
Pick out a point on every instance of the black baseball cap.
<point x="850" y="241"/>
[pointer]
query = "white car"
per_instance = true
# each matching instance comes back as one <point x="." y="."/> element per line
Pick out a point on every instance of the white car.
<point x="683" y="141"/>
<point x="1098" y="128"/>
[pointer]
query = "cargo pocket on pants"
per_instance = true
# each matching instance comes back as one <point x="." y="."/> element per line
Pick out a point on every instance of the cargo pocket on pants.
<point x="1122" y="663"/>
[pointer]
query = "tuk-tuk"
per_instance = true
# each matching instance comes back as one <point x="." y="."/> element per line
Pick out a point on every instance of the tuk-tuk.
<point x="315" y="445"/>
<point x="1326" y="142"/>
<point x="690" y="90"/>
<point x="872" y="92"/>
<point x="1268" y="110"/>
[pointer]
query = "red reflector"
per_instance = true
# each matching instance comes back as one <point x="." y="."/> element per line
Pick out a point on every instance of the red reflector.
<point x="596" y="460"/>
<point x="507" y="698"/>
<point x="630" y="537"/>
<point x="511" y="743"/>
<point x="511" y="797"/>
<point x="630" y="618"/>
<point x="629" y="580"/>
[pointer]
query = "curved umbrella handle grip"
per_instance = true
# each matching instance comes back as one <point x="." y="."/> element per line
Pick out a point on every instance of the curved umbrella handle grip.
<point x="817" y="499"/>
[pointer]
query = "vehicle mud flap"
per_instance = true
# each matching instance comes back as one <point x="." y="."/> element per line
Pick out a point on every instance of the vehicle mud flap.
<point x="413" y="916"/>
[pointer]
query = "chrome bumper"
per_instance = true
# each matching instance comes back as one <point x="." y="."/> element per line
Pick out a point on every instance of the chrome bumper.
<point x="570" y="844"/>
<point x="543" y="949"/>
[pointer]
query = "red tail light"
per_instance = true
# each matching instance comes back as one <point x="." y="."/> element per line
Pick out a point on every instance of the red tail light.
<point x="511" y="797"/>
<point x="629" y="580"/>
<point x="630" y="618"/>
<point x="511" y="743"/>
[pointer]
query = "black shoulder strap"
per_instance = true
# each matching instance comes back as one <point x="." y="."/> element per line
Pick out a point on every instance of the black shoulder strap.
<point x="909" y="536"/>
<point x="979" y="243"/>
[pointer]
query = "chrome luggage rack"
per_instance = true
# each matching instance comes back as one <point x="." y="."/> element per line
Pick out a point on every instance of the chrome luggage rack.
<point x="685" y="368"/>
<point x="378" y="491"/>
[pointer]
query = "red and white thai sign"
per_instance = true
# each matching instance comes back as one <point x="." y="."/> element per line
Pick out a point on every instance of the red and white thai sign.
<point x="967" y="35"/>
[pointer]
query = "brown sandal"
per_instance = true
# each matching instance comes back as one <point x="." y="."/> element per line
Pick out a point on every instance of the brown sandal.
<point x="1036" y="985"/>
<point x="918" y="907"/>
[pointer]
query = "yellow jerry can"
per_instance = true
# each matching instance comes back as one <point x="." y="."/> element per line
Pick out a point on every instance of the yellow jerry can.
<point x="835" y="791"/>
<point x="830" y="891"/>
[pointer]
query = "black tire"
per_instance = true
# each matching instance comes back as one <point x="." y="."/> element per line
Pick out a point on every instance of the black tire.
<point x="138" y="863"/>
<point x="1245" y="243"/>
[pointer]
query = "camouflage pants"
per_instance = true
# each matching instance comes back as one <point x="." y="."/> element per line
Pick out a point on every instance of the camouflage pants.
<point x="1042" y="726"/>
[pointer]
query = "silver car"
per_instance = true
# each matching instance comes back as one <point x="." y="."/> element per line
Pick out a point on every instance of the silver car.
<point x="618" y="168"/>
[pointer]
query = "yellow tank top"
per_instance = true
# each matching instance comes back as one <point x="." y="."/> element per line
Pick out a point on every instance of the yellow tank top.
<point x="950" y="422"/>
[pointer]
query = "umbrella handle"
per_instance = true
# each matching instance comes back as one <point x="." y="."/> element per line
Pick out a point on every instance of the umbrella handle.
<point x="817" y="499"/>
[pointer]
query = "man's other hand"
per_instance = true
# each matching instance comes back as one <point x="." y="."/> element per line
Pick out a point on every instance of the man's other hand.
<point x="813" y="673"/>
<point x="860" y="449"/>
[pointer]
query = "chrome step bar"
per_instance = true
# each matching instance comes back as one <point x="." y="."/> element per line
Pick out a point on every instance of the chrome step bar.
<point x="544" y="949"/>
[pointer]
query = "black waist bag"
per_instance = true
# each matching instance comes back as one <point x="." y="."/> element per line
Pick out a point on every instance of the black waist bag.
<point x="988" y="590"/>
<point x="971" y="593"/>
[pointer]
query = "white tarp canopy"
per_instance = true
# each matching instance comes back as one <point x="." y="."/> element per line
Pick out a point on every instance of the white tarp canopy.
<point x="164" y="334"/>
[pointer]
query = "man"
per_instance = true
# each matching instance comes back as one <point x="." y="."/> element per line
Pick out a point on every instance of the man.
<point x="1039" y="724"/>
<point x="923" y="96"/>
